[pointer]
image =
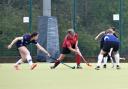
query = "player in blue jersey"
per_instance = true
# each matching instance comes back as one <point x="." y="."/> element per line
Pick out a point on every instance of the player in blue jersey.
<point x="110" y="41"/>
<point x="101" y="36"/>
<point x="21" y="43"/>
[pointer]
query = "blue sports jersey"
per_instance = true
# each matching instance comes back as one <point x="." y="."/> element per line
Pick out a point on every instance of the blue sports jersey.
<point x="26" y="41"/>
<point x="102" y="39"/>
<point x="111" y="37"/>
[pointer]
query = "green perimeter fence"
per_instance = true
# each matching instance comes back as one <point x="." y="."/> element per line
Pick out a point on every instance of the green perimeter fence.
<point x="87" y="17"/>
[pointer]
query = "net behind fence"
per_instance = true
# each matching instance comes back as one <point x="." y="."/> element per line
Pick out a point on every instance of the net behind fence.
<point x="88" y="17"/>
<point x="11" y="23"/>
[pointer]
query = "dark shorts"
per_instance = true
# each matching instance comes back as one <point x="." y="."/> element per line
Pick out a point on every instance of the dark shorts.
<point x="101" y="44"/>
<point x="110" y="44"/>
<point x="101" y="47"/>
<point x="66" y="50"/>
<point x="19" y="44"/>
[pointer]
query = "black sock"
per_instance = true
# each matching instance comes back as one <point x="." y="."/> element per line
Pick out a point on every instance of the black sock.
<point x="57" y="62"/>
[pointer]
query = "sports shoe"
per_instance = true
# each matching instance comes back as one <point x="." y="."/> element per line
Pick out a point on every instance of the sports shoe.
<point x="79" y="67"/>
<point x="33" y="66"/>
<point x="97" y="68"/>
<point x="16" y="67"/>
<point x="52" y="67"/>
<point x="105" y="66"/>
<point x="117" y="67"/>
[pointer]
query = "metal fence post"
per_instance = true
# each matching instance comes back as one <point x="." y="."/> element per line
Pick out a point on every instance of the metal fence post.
<point x="74" y="14"/>
<point x="30" y="19"/>
<point x="121" y="22"/>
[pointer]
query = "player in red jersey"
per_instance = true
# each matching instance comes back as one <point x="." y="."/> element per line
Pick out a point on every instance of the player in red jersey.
<point x="70" y="44"/>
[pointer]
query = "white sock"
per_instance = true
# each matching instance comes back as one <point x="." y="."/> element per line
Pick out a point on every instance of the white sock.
<point x="105" y="60"/>
<point x="112" y="61"/>
<point x="19" y="62"/>
<point x="100" y="58"/>
<point x="117" y="58"/>
<point x="29" y="59"/>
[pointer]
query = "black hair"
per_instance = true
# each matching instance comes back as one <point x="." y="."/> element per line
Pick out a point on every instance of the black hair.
<point x="34" y="34"/>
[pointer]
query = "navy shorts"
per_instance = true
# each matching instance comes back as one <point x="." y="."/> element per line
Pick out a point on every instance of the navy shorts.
<point x="110" y="44"/>
<point x="19" y="44"/>
<point x="101" y="44"/>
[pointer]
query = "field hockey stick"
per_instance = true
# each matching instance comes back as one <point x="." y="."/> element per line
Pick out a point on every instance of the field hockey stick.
<point x="122" y="58"/>
<point x="80" y="54"/>
<point x="110" y="55"/>
<point x="72" y="67"/>
<point x="112" y="61"/>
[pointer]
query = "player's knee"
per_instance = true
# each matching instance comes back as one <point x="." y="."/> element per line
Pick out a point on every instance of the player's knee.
<point x="28" y="56"/>
<point x="27" y="53"/>
<point x="62" y="56"/>
<point x="102" y="52"/>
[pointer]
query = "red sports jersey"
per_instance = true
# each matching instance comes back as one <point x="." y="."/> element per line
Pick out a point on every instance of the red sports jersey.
<point x="70" y="40"/>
